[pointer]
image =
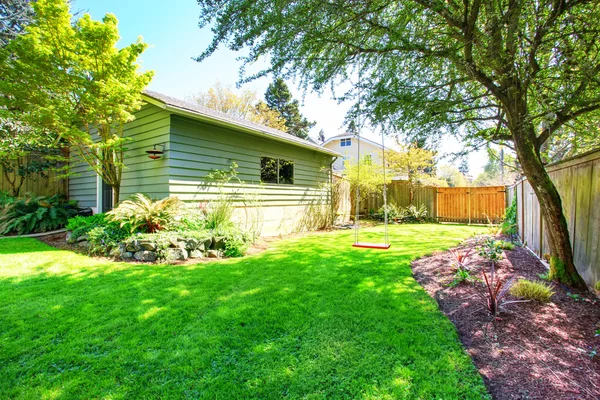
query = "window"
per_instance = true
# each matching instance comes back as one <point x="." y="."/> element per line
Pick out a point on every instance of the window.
<point x="346" y="142"/>
<point x="276" y="170"/>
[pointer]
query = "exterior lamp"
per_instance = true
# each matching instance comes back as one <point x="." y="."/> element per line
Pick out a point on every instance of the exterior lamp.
<point x="156" y="154"/>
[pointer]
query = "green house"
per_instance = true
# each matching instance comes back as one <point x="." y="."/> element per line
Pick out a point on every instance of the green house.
<point x="283" y="181"/>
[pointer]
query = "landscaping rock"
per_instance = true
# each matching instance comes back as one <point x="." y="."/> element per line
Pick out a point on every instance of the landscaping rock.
<point x="218" y="243"/>
<point x="196" y="254"/>
<point x="68" y="236"/>
<point x="82" y="238"/>
<point x="147" y="245"/>
<point x="145" y="255"/>
<point x="84" y="244"/>
<point x="191" y="244"/>
<point x="213" y="253"/>
<point x="207" y="243"/>
<point x="177" y="254"/>
<point x="115" y="252"/>
<point x="133" y="246"/>
<point x="127" y="256"/>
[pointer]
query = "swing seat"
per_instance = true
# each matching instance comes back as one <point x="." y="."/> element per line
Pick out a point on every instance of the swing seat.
<point x="364" y="245"/>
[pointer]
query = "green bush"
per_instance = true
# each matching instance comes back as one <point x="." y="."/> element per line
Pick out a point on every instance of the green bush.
<point x="236" y="240"/>
<point x="531" y="290"/>
<point x="509" y="225"/>
<point x="33" y="214"/>
<point x="103" y="239"/>
<point x="410" y="214"/>
<point x="79" y="226"/>
<point x="143" y="214"/>
<point x="6" y="198"/>
<point x="189" y="220"/>
<point x="504" y="245"/>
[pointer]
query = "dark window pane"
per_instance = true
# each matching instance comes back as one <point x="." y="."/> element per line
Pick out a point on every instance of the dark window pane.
<point x="268" y="170"/>
<point x="286" y="172"/>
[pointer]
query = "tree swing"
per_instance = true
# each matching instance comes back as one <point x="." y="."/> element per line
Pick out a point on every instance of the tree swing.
<point x="386" y="243"/>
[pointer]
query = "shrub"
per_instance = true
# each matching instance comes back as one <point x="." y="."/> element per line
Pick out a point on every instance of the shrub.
<point x="413" y="214"/>
<point x="236" y="241"/>
<point x="509" y="225"/>
<point x="189" y="220"/>
<point x="531" y="290"/>
<point x="395" y="213"/>
<point x="142" y="214"/>
<point x="491" y="250"/>
<point x="80" y="226"/>
<point x="506" y="245"/>
<point x="33" y="214"/>
<point x="103" y="239"/>
<point x="6" y="198"/>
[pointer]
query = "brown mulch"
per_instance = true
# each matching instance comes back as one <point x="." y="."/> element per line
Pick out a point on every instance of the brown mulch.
<point x="532" y="351"/>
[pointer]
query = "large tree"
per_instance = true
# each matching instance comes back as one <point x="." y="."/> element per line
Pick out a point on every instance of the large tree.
<point x="279" y="97"/>
<point x="244" y="105"/>
<point x="506" y="71"/>
<point x="415" y="163"/>
<point x="68" y="77"/>
<point x="14" y="16"/>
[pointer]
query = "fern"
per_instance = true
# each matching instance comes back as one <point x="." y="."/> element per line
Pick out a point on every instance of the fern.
<point x="142" y="214"/>
<point x="32" y="214"/>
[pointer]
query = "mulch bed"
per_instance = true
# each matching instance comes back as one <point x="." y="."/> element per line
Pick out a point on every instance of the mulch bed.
<point x="532" y="351"/>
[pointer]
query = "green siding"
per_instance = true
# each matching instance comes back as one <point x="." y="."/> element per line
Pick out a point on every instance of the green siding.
<point x="198" y="148"/>
<point x="141" y="174"/>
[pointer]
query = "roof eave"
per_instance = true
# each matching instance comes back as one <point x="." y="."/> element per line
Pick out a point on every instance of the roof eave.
<point x="229" y="124"/>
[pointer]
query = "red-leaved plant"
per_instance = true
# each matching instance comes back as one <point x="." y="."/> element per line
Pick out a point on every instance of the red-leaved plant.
<point x="461" y="258"/>
<point x="496" y="290"/>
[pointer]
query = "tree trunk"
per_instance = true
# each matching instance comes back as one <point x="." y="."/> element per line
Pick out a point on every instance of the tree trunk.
<point x="562" y="267"/>
<point x="116" y="191"/>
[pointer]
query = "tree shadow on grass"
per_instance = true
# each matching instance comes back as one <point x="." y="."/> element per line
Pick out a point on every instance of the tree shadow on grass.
<point x="309" y="317"/>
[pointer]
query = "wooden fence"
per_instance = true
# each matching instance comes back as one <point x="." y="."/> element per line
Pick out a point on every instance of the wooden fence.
<point x="47" y="186"/>
<point x="478" y="205"/>
<point x="447" y="204"/>
<point x="578" y="182"/>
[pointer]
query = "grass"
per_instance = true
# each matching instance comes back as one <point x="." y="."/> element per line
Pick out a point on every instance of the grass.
<point x="311" y="318"/>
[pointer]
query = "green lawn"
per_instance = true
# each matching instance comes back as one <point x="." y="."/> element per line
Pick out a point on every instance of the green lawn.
<point x="311" y="317"/>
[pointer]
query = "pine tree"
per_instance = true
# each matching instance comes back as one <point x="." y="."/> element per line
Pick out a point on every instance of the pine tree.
<point x="278" y="97"/>
<point x="464" y="167"/>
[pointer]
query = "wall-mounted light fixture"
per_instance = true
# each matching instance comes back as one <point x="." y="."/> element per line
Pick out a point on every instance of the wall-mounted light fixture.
<point x="156" y="154"/>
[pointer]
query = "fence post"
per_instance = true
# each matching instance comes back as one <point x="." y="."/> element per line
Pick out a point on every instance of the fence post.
<point x="469" y="202"/>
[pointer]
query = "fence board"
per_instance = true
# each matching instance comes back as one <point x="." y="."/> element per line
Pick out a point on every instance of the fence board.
<point x="578" y="182"/>
<point x="471" y="204"/>
<point x="48" y="186"/>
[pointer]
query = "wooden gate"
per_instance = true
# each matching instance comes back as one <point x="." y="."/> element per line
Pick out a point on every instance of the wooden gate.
<point x="471" y="204"/>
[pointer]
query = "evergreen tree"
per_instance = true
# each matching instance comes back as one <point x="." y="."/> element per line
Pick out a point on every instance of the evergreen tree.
<point x="464" y="167"/>
<point x="278" y="97"/>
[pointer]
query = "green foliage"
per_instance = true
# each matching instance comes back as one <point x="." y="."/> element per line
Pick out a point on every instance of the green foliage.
<point x="218" y="214"/>
<point x="79" y="226"/>
<point x="545" y="276"/>
<point x="460" y="276"/>
<point x="365" y="176"/>
<point x="279" y="98"/>
<point x="509" y="225"/>
<point x="407" y="215"/>
<point x="104" y="238"/>
<point x="201" y="330"/>
<point x="33" y="214"/>
<point x="531" y="290"/>
<point x="67" y="78"/>
<point x="452" y="175"/>
<point x="414" y="214"/>
<point x="6" y="198"/>
<point x="504" y="245"/>
<point x="143" y="214"/>
<point x="189" y="220"/>
<point x="490" y="250"/>
<point x="236" y="241"/>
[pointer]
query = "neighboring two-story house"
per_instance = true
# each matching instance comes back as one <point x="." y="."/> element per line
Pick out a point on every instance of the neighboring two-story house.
<point x="347" y="145"/>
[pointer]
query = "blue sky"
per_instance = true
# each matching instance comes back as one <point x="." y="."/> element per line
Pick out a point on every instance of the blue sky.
<point x="171" y="29"/>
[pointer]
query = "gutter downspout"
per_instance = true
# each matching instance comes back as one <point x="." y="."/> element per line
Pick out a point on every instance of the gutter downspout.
<point x="331" y="190"/>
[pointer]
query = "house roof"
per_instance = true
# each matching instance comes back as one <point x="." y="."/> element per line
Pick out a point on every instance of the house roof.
<point x="353" y="136"/>
<point x="192" y="110"/>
